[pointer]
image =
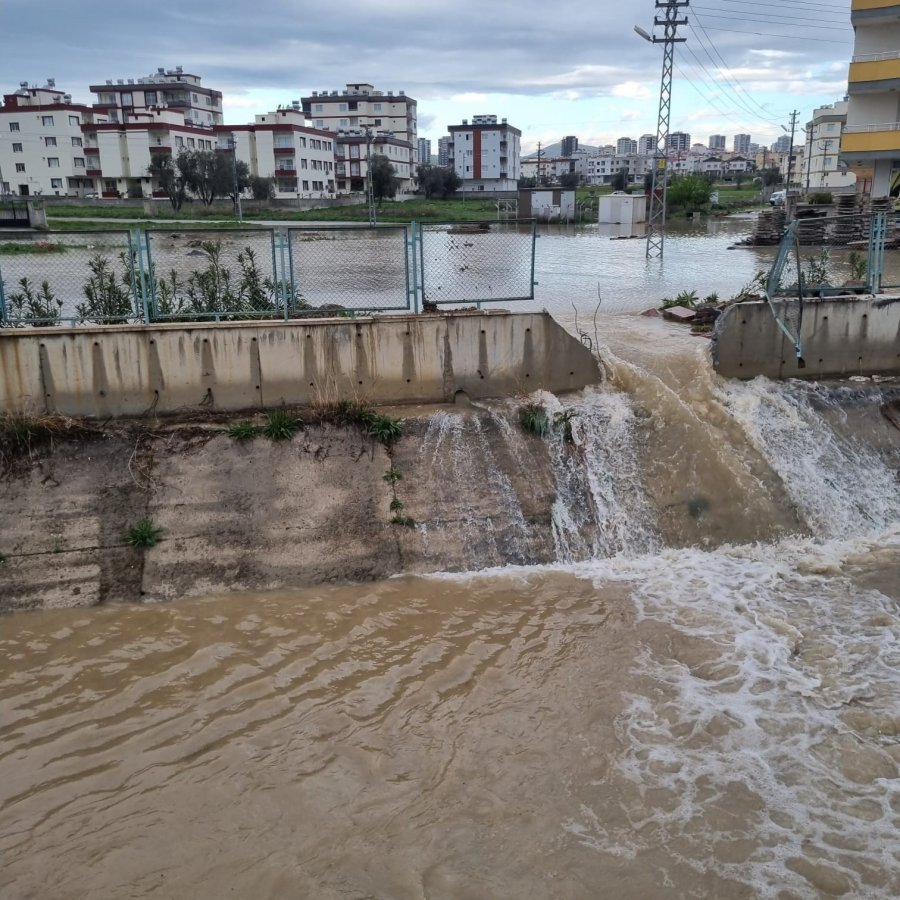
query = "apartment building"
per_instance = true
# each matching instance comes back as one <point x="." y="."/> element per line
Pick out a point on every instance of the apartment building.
<point x="424" y="152"/>
<point x="444" y="151"/>
<point x="41" y="143"/>
<point x="118" y="154"/>
<point x="716" y="142"/>
<point x="647" y="145"/>
<point x="870" y="144"/>
<point x="742" y="143"/>
<point x="678" y="142"/>
<point x="360" y="108"/>
<point x="626" y="146"/>
<point x="351" y="151"/>
<point x="282" y="146"/>
<point x="486" y="154"/>
<point x="123" y="99"/>
<point x="823" y="168"/>
<point x="602" y="169"/>
<point x="569" y="145"/>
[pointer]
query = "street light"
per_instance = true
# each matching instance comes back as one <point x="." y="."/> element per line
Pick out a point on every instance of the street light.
<point x="643" y="34"/>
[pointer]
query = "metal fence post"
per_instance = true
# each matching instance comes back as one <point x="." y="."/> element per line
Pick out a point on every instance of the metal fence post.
<point x="877" y="238"/>
<point x="137" y="262"/>
<point x="534" y="237"/>
<point x="282" y="278"/>
<point x="2" y="300"/>
<point x="414" y="231"/>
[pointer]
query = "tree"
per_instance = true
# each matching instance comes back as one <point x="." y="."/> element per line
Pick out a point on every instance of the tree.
<point x="620" y="180"/>
<point x="570" y="180"/>
<point x="384" y="178"/>
<point x="739" y="177"/>
<point x="210" y="173"/>
<point x="771" y="176"/>
<point x="527" y="182"/>
<point x="169" y="178"/>
<point x="262" y="188"/>
<point x="691" y="193"/>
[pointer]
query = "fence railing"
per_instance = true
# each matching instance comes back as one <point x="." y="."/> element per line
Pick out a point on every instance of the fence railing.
<point x="155" y="275"/>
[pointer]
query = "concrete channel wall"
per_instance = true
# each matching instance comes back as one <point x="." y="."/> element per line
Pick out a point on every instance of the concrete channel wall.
<point x="841" y="336"/>
<point x="125" y="370"/>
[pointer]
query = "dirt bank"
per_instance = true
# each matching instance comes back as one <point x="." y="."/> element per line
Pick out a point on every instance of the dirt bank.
<point x="264" y="515"/>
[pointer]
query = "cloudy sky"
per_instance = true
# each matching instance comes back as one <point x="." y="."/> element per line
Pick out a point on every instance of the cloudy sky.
<point x="551" y="68"/>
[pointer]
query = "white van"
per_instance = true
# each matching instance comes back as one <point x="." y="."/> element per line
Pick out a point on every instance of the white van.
<point x="778" y="198"/>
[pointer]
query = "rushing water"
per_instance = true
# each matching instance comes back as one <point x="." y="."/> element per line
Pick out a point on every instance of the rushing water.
<point x="701" y="698"/>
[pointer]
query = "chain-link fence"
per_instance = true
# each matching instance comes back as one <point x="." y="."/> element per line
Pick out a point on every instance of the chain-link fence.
<point x="188" y="275"/>
<point x="351" y="269"/>
<point x="477" y="263"/>
<point x="76" y="277"/>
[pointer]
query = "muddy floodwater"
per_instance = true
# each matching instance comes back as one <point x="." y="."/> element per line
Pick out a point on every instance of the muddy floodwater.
<point x="654" y="715"/>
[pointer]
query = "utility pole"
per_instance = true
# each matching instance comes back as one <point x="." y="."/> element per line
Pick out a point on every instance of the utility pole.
<point x="794" y="116"/>
<point x="237" y="193"/>
<point x="656" y="227"/>
<point x="370" y="187"/>
<point x="538" y="182"/>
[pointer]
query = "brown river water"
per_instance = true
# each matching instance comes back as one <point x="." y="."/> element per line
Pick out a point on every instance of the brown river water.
<point x="652" y="716"/>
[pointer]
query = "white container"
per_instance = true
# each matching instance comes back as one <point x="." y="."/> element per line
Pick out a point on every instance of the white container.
<point x="622" y="209"/>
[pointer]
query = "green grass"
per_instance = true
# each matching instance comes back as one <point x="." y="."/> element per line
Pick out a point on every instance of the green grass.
<point x="533" y="419"/>
<point x="16" y="248"/>
<point x="393" y="475"/>
<point x="405" y="521"/>
<point x="144" y="534"/>
<point x="76" y="225"/>
<point x="243" y="431"/>
<point x="281" y="425"/>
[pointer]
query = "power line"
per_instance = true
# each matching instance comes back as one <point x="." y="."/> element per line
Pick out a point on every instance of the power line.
<point x="797" y="21"/>
<point x="819" y="4"/>
<point x="789" y="37"/>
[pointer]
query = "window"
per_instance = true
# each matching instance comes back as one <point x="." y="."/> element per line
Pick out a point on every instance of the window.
<point x="78" y="162"/>
<point x="303" y="164"/>
<point x="13" y="126"/>
<point x="342" y="107"/>
<point x="56" y="183"/>
<point x="305" y="185"/>
<point x="193" y="98"/>
<point x="376" y="107"/>
<point x="378" y="123"/>
<point x="20" y="167"/>
<point x="209" y="101"/>
<point x="344" y="123"/>
<point x="320" y="123"/>
<point x="53" y="162"/>
<point x="46" y="120"/>
<point x="179" y="140"/>
<point x="301" y="141"/>
<point x="110" y="186"/>
<point x="287" y="163"/>
<point x="49" y="141"/>
<point x="319" y="108"/>
<point x="150" y="98"/>
<point x="190" y="142"/>
<point x="127" y="99"/>
<point x="76" y="142"/>
<point x="17" y="148"/>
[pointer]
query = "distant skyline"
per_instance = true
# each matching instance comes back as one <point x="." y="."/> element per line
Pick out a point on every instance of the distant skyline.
<point x="581" y="70"/>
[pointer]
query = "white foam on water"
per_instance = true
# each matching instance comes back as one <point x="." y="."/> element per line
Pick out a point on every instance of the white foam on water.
<point x="841" y="486"/>
<point x="768" y="711"/>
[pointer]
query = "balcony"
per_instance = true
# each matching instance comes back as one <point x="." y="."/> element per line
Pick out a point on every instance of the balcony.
<point x="93" y="173"/>
<point x="285" y="173"/>
<point x="160" y="148"/>
<point x="287" y="149"/>
<point x="882" y="139"/>
<point x="874" y="12"/>
<point x="874" y="72"/>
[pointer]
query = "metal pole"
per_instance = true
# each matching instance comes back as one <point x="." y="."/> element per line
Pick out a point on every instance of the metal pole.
<point x="656" y="227"/>
<point x="370" y="188"/>
<point x="794" y="116"/>
<point x="237" y="194"/>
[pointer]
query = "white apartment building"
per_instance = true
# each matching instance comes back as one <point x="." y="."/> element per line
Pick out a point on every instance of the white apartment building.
<point x="647" y="145"/>
<point x="123" y="99"/>
<point x="360" y="108"/>
<point x="41" y="143"/>
<point x="351" y="159"/>
<point x="602" y="169"/>
<point x="741" y="143"/>
<point x="486" y="155"/>
<point x="717" y="142"/>
<point x="118" y="154"/>
<point x="678" y="142"/>
<point x="282" y="146"/>
<point x="822" y="166"/>
<point x="626" y="146"/>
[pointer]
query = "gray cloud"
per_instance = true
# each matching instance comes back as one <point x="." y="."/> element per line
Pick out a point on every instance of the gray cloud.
<point x="524" y="47"/>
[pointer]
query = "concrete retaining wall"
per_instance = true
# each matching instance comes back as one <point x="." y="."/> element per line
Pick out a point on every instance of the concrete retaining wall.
<point x="840" y="337"/>
<point x="131" y="370"/>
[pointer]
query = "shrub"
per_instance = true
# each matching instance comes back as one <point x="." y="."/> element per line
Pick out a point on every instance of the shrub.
<point x="27" y="303"/>
<point x="144" y="534"/>
<point x="392" y="475"/>
<point x="405" y="521"/>
<point x="563" y="421"/>
<point x="281" y="425"/>
<point x="243" y="431"/>
<point x="859" y="265"/>
<point x="106" y="299"/>
<point x="533" y="419"/>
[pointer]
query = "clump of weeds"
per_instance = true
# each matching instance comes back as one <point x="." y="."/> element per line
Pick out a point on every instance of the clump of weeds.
<point x="243" y="431"/>
<point x="144" y="533"/>
<point x="281" y="425"/>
